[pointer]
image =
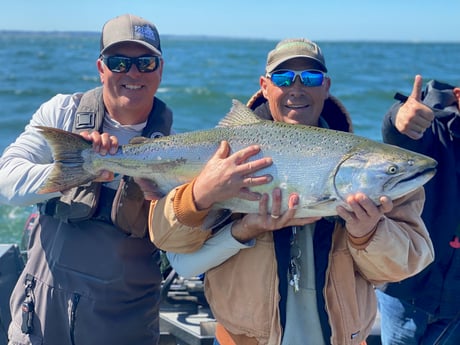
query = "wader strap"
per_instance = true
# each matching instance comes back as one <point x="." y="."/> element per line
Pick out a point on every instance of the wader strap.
<point x="159" y="122"/>
<point x="102" y="213"/>
<point x="28" y="306"/>
<point x="104" y="207"/>
<point x="90" y="111"/>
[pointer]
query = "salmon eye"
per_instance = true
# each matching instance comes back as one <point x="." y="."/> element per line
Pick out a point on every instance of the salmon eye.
<point x="392" y="169"/>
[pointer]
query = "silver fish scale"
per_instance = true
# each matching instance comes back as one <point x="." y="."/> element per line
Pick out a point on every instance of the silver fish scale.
<point x="305" y="160"/>
<point x="323" y="166"/>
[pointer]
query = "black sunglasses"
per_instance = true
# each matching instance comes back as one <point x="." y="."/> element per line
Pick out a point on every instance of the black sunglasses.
<point x="122" y="64"/>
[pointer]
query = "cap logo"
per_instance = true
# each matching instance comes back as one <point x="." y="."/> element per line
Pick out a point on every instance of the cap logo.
<point x="144" y="32"/>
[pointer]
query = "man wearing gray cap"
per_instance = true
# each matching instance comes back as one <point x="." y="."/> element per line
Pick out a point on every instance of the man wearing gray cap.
<point x="275" y="279"/>
<point x="92" y="275"/>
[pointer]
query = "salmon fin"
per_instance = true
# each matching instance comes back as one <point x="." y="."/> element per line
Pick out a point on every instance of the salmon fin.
<point x="139" y="140"/>
<point x="144" y="140"/>
<point x="215" y="219"/>
<point x="239" y="115"/>
<point x="68" y="168"/>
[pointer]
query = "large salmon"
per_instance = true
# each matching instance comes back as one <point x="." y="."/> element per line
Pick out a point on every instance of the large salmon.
<point x="322" y="165"/>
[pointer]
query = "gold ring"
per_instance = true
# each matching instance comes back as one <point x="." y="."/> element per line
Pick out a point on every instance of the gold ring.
<point x="274" y="217"/>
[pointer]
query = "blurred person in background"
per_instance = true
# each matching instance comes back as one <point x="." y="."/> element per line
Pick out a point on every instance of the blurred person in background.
<point x="424" y="309"/>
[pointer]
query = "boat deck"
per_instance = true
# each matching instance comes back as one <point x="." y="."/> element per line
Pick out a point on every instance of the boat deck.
<point x="185" y="317"/>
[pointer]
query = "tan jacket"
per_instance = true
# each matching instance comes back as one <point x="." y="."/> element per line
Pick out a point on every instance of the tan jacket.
<point x="243" y="291"/>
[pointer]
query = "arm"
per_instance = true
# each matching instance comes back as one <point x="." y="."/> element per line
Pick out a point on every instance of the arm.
<point x="26" y="163"/>
<point x="175" y="223"/>
<point x="237" y="235"/>
<point x="176" y="219"/>
<point x="399" y="246"/>
<point x="214" y="251"/>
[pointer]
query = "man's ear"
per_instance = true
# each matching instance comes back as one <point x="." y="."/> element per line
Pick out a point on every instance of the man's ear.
<point x="456" y="92"/>
<point x="100" y="68"/>
<point x="263" y="81"/>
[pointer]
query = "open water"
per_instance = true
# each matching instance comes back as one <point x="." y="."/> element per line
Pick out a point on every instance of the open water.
<point x="201" y="77"/>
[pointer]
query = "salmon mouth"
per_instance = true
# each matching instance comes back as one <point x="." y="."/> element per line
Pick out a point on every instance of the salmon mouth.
<point x="427" y="173"/>
<point x="418" y="177"/>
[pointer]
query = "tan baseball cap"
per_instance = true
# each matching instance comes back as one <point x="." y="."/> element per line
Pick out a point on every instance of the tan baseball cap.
<point x="130" y="28"/>
<point x="293" y="48"/>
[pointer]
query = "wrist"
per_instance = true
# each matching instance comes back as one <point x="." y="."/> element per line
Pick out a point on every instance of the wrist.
<point x="200" y="200"/>
<point x="184" y="206"/>
<point x="241" y="232"/>
<point x="361" y="239"/>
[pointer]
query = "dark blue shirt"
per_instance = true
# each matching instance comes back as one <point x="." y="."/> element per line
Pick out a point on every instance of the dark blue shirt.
<point x="437" y="288"/>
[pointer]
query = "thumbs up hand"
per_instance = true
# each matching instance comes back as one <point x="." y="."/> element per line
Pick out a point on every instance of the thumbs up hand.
<point x="413" y="117"/>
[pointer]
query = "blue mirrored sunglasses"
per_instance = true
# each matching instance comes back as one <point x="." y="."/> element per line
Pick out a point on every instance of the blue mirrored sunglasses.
<point x="122" y="64"/>
<point x="286" y="77"/>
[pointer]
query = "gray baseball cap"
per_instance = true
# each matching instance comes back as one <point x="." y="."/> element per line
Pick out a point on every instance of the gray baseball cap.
<point x="130" y="28"/>
<point x="293" y="48"/>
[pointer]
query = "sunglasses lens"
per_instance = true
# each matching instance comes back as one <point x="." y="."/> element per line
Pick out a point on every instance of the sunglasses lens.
<point x="146" y="64"/>
<point x="312" y="78"/>
<point x="283" y="78"/>
<point x="286" y="77"/>
<point x="118" y="64"/>
<point x="122" y="64"/>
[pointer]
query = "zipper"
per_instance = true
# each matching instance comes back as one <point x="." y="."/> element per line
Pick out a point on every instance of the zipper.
<point x="73" y="310"/>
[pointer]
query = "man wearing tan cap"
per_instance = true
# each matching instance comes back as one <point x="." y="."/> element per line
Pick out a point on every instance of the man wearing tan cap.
<point x="275" y="279"/>
<point x="92" y="275"/>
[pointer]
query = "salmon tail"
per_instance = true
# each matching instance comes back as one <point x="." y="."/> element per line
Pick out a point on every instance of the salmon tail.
<point x="68" y="171"/>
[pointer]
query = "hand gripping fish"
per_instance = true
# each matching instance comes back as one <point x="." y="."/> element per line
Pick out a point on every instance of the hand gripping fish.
<point x="323" y="166"/>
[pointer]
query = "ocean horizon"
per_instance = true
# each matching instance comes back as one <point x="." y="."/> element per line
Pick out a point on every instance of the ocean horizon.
<point x="202" y="75"/>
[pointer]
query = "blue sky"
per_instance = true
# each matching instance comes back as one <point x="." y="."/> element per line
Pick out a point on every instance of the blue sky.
<point x="394" y="20"/>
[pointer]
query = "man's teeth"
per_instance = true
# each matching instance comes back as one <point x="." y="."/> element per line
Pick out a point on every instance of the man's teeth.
<point x="133" y="87"/>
